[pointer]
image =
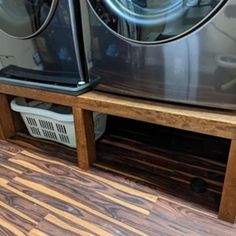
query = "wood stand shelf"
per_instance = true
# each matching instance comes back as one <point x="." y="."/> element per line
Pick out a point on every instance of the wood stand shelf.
<point x="205" y="121"/>
<point x="216" y="123"/>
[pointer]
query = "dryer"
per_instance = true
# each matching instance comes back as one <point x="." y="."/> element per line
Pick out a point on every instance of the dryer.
<point x="181" y="51"/>
<point x="40" y="45"/>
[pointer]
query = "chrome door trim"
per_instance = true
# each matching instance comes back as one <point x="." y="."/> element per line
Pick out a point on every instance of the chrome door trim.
<point x="75" y="38"/>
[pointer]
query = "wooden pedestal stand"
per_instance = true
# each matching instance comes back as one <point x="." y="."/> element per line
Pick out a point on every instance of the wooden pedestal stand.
<point x="216" y="123"/>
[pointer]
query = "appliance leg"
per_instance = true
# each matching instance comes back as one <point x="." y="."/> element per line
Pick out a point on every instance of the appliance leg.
<point x="7" y="127"/>
<point x="227" y="209"/>
<point x="84" y="129"/>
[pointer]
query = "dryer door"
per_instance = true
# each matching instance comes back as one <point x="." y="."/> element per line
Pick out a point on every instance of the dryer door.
<point x="25" y="18"/>
<point x="154" y="21"/>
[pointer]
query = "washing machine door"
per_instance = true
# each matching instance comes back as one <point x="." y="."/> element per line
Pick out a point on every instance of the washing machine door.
<point x="25" y="18"/>
<point x="154" y="21"/>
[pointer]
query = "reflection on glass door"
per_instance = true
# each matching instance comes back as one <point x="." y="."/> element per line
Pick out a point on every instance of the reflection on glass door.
<point x="25" y="18"/>
<point x="154" y="21"/>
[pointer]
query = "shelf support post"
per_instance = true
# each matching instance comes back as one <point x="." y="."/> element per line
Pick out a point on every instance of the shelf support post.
<point x="84" y="129"/>
<point x="227" y="209"/>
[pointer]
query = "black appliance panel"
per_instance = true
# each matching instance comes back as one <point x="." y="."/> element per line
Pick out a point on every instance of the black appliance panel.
<point x="42" y="43"/>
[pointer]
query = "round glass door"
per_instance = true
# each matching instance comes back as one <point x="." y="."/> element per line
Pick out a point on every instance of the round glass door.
<point x="154" y="21"/>
<point x="25" y="18"/>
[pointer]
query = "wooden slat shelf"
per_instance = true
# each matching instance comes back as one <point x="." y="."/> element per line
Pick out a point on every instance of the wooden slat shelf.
<point x="212" y="122"/>
<point x="37" y="94"/>
<point x="205" y="121"/>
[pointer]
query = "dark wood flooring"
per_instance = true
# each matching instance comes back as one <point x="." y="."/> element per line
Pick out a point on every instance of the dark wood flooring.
<point x="133" y="189"/>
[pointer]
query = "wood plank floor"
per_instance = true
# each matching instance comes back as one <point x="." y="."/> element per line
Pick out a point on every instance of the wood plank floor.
<point x="129" y="191"/>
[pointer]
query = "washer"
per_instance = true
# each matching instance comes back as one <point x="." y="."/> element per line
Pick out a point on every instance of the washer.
<point x="181" y="51"/>
<point x="40" y="45"/>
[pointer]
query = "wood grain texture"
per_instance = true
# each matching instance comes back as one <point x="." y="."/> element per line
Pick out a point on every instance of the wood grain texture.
<point x="51" y="196"/>
<point x="126" y="196"/>
<point x="118" y="161"/>
<point x="62" y="224"/>
<point x="37" y="94"/>
<point x="54" y="226"/>
<point x="216" y="123"/>
<point x="7" y="127"/>
<point x="84" y="127"/>
<point x="88" y="181"/>
<point x="36" y="232"/>
<point x="227" y="209"/>
<point x="9" y="149"/>
<point x="2" y="135"/>
<point x="72" y="214"/>
<point x="84" y="207"/>
<point x="28" y="211"/>
<point x="18" y="121"/>
<point x="213" y="122"/>
<point x="66" y="155"/>
<point x="16" y="117"/>
<point x="16" y="220"/>
<point x="179" y="218"/>
<point x="56" y="210"/>
<point x="10" y="227"/>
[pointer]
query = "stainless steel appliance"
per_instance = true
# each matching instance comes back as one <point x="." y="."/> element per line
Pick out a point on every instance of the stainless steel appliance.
<point x="40" y="45"/>
<point x="180" y="51"/>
